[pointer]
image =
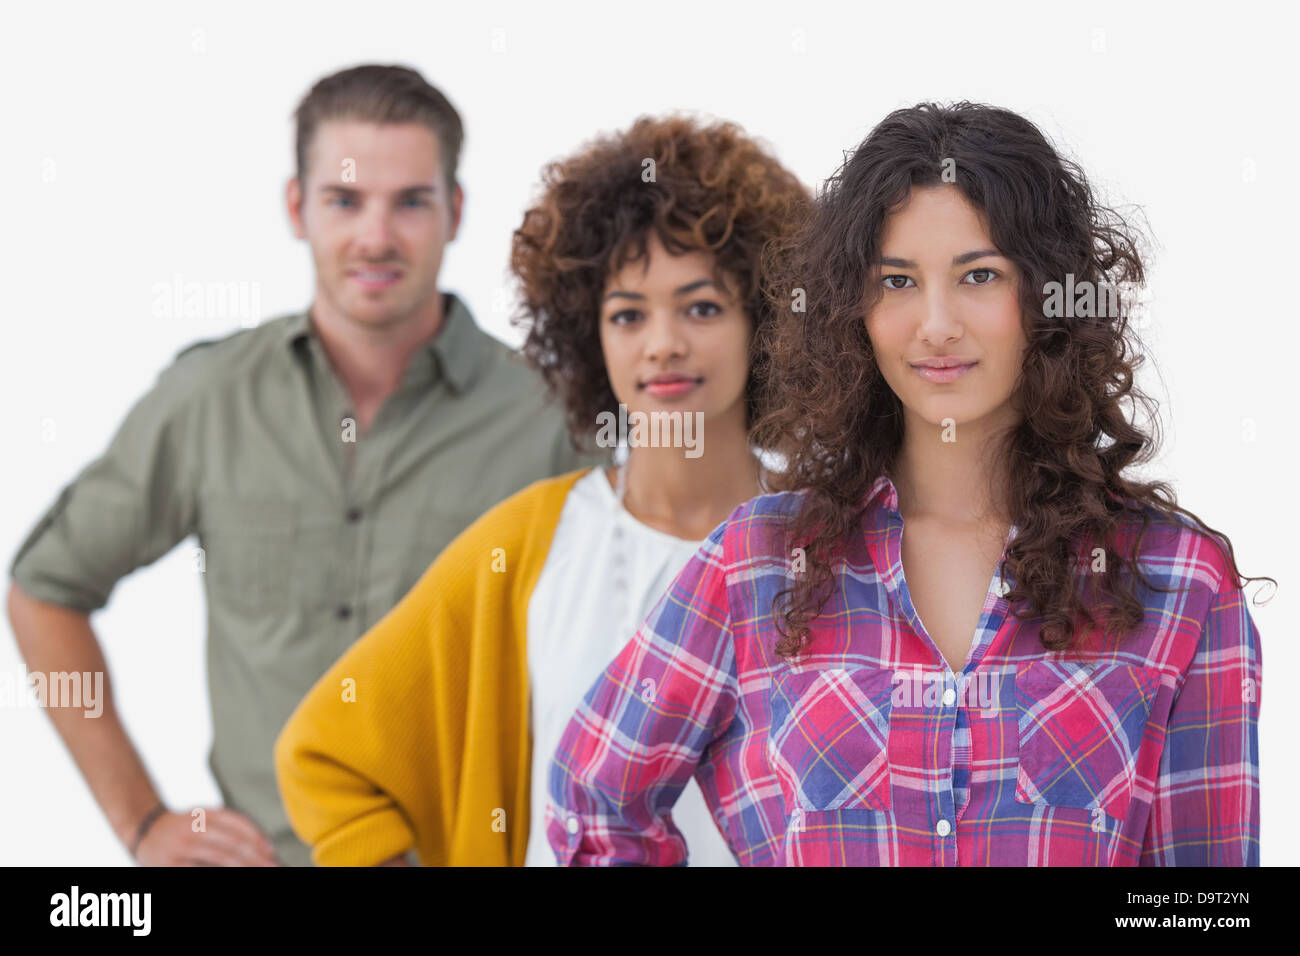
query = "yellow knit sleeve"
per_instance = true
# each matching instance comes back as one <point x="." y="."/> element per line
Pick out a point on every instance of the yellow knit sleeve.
<point x="418" y="735"/>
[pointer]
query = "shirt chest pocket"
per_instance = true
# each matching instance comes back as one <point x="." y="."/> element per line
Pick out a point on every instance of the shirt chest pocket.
<point x="829" y="738"/>
<point x="1080" y="734"/>
<point x="249" y="551"/>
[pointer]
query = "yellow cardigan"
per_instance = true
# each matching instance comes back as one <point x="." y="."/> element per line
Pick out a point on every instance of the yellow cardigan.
<point x="419" y="735"/>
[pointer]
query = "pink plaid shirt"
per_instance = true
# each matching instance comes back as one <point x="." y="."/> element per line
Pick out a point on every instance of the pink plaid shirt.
<point x="870" y="751"/>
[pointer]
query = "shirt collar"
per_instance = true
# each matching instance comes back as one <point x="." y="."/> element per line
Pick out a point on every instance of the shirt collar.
<point x="884" y="494"/>
<point x="296" y="328"/>
<point x="881" y="512"/>
<point x="458" y="352"/>
<point x="460" y="349"/>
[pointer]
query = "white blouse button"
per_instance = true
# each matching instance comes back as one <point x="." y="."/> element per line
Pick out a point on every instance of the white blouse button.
<point x="949" y="697"/>
<point x="573" y="825"/>
<point x="943" y="828"/>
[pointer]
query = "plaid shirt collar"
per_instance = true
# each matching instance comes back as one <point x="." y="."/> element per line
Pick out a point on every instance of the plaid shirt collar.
<point x="882" y="515"/>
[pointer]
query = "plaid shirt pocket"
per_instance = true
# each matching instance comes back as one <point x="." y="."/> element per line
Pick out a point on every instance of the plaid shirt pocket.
<point x="829" y="738"/>
<point x="1079" y="733"/>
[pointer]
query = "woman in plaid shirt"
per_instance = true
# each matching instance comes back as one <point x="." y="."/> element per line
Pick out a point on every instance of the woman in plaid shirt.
<point x="1054" y="665"/>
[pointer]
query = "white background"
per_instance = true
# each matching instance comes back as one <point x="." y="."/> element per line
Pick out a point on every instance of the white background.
<point x="168" y="128"/>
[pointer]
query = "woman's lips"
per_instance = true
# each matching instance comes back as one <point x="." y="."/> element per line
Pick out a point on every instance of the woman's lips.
<point x="941" y="376"/>
<point x="671" y="388"/>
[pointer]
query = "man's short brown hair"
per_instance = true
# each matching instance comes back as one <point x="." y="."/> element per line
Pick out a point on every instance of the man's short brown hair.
<point x="379" y="94"/>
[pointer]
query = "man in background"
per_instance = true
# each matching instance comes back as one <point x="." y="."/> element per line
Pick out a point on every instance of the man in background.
<point x="323" y="459"/>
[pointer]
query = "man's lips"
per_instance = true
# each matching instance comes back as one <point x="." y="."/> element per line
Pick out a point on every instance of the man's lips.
<point x="375" y="278"/>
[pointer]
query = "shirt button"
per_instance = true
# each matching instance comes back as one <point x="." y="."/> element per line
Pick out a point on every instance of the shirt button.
<point x="354" y="514"/>
<point x="949" y="697"/>
<point x="1004" y="588"/>
<point x="943" y="828"/>
<point x="344" y="612"/>
<point x="573" y="825"/>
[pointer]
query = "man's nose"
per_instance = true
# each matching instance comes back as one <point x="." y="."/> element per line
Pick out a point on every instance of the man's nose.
<point x="376" y="237"/>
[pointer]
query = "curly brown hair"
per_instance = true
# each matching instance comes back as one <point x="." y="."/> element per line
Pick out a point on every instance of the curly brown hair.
<point x="713" y="189"/>
<point x="839" y="426"/>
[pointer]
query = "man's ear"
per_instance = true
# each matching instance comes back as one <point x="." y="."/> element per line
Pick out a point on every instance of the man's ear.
<point x="293" y="201"/>
<point x="457" y="204"/>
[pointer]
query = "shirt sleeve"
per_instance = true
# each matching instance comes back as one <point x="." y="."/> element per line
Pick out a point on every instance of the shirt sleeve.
<point x="645" y="725"/>
<point x="1205" y="809"/>
<point x="125" y="510"/>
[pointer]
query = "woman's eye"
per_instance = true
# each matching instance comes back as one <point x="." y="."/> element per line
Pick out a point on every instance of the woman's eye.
<point x="624" y="317"/>
<point x="888" y="280"/>
<point x="984" y="272"/>
<point x="704" y="309"/>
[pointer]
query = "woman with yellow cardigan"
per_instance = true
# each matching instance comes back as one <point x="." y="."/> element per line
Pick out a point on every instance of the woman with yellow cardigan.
<point x="639" y="270"/>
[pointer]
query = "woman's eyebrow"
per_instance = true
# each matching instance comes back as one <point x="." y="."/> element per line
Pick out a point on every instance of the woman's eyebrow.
<point x="689" y="287"/>
<point x="962" y="259"/>
<point x="692" y="286"/>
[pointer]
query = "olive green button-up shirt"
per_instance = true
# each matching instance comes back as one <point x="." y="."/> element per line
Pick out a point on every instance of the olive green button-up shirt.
<point x="309" y="530"/>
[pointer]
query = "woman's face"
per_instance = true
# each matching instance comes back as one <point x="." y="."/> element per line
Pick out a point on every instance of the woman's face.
<point x="672" y="339"/>
<point x="947" y="299"/>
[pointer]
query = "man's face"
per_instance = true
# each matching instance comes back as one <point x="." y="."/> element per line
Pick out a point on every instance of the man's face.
<point x="376" y="212"/>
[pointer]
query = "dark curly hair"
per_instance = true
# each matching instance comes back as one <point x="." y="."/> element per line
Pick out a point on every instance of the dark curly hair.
<point x="714" y="189"/>
<point x="839" y="426"/>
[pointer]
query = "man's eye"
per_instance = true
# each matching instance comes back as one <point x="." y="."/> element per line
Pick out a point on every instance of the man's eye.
<point x="417" y="201"/>
<point x="338" y="200"/>
<point x="888" y="280"/>
<point x="985" y="272"/>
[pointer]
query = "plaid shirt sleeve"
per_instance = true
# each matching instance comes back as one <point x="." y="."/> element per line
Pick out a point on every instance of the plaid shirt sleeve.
<point x="1205" y="808"/>
<point x="645" y="725"/>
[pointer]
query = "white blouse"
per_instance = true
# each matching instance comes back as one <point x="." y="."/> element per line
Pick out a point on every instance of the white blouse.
<point x="578" y="622"/>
